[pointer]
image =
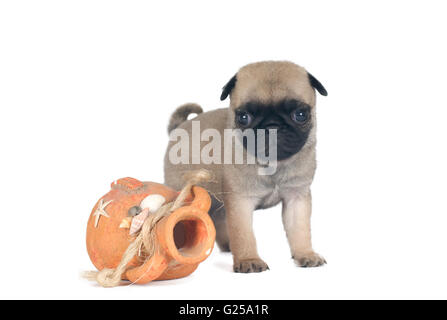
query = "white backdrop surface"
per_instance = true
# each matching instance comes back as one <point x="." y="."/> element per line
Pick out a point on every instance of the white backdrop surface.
<point x="86" y="90"/>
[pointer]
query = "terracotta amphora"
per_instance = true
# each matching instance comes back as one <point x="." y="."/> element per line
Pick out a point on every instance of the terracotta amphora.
<point x="185" y="237"/>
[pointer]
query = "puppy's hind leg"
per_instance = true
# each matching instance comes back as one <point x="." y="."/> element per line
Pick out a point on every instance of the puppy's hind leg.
<point x="222" y="239"/>
<point x="217" y="214"/>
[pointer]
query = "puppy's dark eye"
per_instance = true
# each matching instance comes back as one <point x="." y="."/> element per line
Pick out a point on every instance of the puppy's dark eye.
<point x="243" y="118"/>
<point x="300" y="115"/>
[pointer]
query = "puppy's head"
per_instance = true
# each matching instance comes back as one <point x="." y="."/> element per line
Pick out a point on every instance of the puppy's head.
<point x="275" y="95"/>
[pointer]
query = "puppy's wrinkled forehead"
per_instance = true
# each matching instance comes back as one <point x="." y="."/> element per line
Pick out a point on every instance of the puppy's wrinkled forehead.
<point x="271" y="82"/>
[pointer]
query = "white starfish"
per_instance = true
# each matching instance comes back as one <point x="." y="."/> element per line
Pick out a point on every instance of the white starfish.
<point x="100" y="211"/>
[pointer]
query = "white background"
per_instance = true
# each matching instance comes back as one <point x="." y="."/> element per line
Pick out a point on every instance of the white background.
<point x="86" y="90"/>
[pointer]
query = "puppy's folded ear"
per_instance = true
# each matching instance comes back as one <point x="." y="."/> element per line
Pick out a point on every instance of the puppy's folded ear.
<point x="226" y="90"/>
<point x="317" y="85"/>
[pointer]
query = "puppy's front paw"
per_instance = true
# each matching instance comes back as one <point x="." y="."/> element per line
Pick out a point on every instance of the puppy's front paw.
<point x="309" y="259"/>
<point x="250" y="265"/>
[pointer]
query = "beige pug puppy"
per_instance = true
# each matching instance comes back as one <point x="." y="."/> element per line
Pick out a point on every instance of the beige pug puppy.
<point x="272" y="95"/>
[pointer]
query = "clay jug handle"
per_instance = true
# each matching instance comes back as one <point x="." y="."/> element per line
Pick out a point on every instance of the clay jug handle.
<point x="201" y="199"/>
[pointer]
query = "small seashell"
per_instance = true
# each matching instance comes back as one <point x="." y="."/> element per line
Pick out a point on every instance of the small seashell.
<point x="135" y="210"/>
<point x="125" y="223"/>
<point x="137" y="221"/>
<point x="153" y="202"/>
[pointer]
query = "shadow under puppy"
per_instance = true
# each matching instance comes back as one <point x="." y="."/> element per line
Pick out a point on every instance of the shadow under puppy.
<point x="265" y="95"/>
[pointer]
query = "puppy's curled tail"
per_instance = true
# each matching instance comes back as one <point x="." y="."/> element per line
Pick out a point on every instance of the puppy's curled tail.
<point x="181" y="114"/>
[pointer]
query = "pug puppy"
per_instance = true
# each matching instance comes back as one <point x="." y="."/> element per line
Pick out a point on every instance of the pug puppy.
<point x="270" y="95"/>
